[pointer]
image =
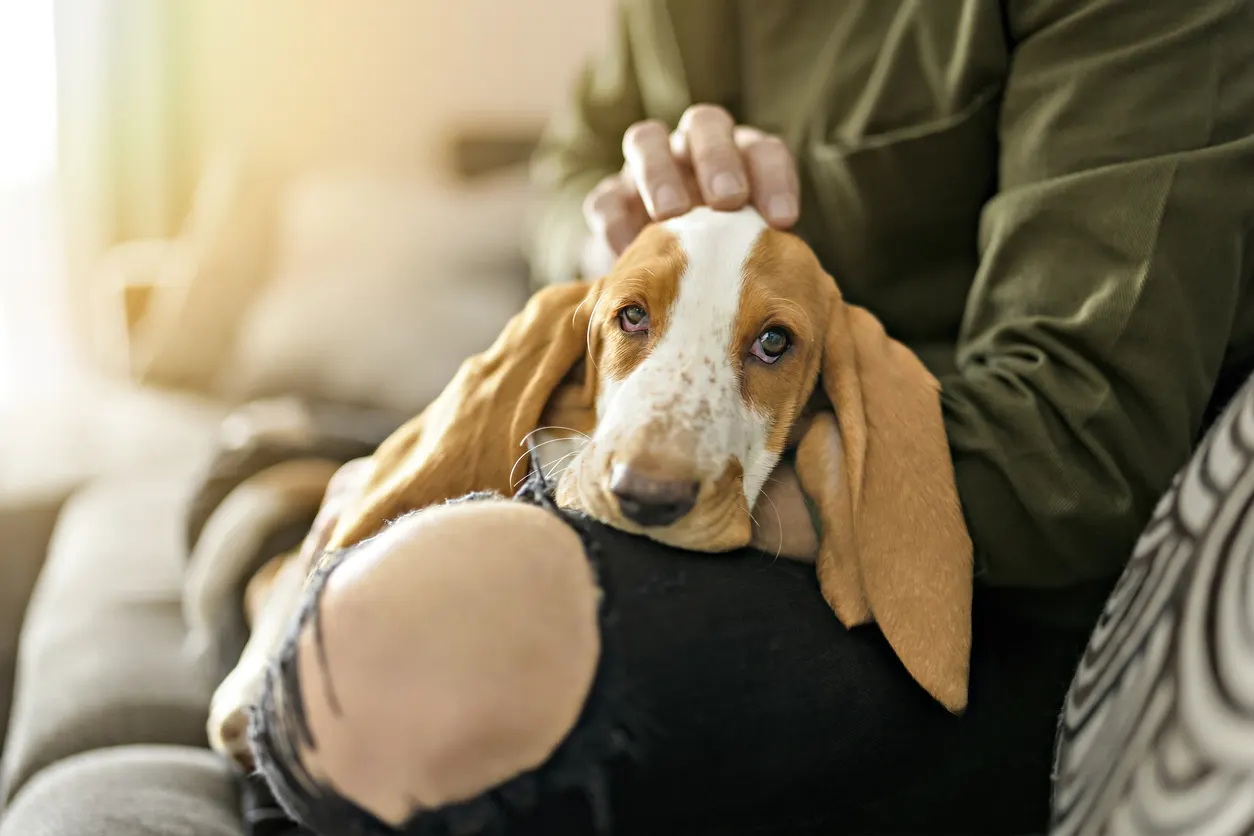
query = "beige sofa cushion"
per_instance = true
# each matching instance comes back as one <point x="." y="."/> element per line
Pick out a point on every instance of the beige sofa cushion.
<point x="129" y="791"/>
<point x="51" y="443"/>
<point x="102" y="660"/>
<point x="381" y="286"/>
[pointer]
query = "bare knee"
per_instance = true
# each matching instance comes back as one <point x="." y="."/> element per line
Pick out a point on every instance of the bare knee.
<point x="457" y="650"/>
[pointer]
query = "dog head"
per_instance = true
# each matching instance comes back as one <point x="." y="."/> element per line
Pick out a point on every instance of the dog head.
<point x="705" y="344"/>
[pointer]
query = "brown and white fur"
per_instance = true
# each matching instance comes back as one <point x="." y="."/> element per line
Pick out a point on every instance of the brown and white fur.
<point x="672" y="430"/>
<point x="687" y="402"/>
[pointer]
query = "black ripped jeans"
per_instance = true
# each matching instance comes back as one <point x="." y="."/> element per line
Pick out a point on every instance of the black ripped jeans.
<point x="730" y="701"/>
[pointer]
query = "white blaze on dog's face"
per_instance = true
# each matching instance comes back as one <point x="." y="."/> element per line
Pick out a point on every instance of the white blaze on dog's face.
<point x="707" y="338"/>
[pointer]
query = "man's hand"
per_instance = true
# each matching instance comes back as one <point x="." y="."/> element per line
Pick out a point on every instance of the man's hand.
<point x="707" y="160"/>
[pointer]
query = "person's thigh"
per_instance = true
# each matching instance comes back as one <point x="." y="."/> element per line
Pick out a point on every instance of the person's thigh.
<point x="745" y="707"/>
<point x="766" y="715"/>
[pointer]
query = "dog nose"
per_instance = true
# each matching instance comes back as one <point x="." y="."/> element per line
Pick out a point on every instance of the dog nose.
<point x="648" y="501"/>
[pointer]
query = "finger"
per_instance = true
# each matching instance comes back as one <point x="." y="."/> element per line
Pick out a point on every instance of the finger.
<point x="772" y="176"/>
<point x="707" y="145"/>
<point x="615" y="212"/>
<point x="646" y="147"/>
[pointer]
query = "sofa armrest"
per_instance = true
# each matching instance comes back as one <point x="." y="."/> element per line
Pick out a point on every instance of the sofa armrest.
<point x="26" y="525"/>
<point x="101" y="660"/>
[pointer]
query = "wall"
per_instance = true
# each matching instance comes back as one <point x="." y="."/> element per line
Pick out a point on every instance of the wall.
<point x="379" y="81"/>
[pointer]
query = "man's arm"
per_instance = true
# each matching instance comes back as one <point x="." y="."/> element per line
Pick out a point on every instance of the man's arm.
<point x="581" y="146"/>
<point x="1112" y="261"/>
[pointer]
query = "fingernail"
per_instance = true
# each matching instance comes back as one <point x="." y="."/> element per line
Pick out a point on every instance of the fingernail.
<point x="725" y="184"/>
<point x="781" y="208"/>
<point x="667" y="201"/>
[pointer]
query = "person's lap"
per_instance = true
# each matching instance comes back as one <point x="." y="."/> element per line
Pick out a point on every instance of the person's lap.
<point x="750" y="709"/>
<point x="768" y="714"/>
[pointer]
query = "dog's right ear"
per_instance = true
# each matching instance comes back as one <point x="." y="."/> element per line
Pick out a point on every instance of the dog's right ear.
<point x="472" y="436"/>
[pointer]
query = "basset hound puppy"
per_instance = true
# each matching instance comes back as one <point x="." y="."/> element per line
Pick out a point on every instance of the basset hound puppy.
<point x="660" y="398"/>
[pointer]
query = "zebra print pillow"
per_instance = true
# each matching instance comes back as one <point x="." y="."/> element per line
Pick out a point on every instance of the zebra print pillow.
<point x="1157" y="735"/>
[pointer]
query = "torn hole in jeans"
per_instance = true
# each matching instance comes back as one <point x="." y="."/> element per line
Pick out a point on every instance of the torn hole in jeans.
<point x="569" y="792"/>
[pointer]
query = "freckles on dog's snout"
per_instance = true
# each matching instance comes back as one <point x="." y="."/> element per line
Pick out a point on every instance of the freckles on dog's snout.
<point x="651" y="500"/>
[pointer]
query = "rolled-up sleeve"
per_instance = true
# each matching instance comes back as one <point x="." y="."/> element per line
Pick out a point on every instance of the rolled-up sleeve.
<point x="1112" y="261"/>
<point x="581" y="145"/>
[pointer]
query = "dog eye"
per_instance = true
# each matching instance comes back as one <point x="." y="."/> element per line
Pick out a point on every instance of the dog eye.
<point x="771" y="345"/>
<point x="633" y="318"/>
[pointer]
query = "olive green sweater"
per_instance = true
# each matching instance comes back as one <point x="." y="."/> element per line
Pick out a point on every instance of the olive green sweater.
<point x="1050" y="200"/>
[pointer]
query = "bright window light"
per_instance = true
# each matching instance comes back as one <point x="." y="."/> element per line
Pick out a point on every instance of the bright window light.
<point x="28" y="96"/>
<point x="28" y="166"/>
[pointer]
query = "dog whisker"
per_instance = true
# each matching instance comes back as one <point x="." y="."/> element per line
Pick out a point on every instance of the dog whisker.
<point x="554" y="468"/>
<point x="546" y="443"/>
<point x="515" y="483"/>
<point x="582" y="435"/>
<point x="557" y="463"/>
<point x="592" y="319"/>
<point x="579" y="307"/>
<point x="779" y="523"/>
<point x="512" y="482"/>
<point x="529" y="451"/>
<point x="754" y="520"/>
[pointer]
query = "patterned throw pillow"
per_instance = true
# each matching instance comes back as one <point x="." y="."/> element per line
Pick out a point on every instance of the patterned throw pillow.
<point x="1157" y="735"/>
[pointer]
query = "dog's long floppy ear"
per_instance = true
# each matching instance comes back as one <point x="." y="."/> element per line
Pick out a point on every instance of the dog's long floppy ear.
<point x="470" y="438"/>
<point x="894" y="547"/>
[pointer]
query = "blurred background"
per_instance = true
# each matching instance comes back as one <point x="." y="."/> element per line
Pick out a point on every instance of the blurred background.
<point x="209" y="203"/>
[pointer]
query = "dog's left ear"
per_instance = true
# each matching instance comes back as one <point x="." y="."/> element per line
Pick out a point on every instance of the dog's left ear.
<point x="471" y="437"/>
<point x="894" y="547"/>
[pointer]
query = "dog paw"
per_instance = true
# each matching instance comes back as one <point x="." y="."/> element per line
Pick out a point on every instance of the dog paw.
<point x="227" y="727"/>
<point x="228" y="736"/>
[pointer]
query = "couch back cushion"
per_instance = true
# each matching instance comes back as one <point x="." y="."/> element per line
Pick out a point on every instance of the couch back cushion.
<point x="379" y="287"/>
